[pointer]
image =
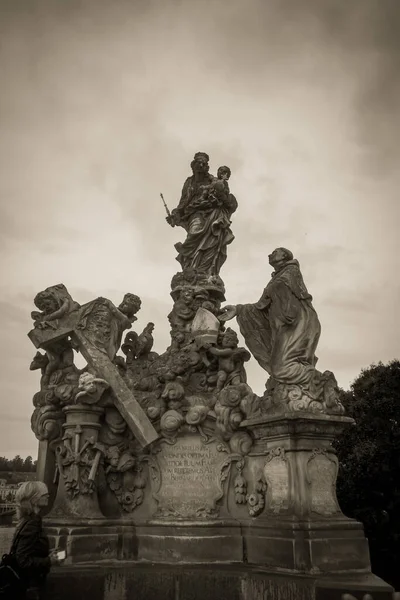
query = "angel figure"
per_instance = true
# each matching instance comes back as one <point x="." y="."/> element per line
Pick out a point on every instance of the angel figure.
<point x="90" y="388"/>
<point x="231" y="360"/>
<point x="53" y="303"/>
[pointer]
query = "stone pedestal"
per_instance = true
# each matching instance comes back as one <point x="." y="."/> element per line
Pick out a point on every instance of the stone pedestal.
<point x="302" y="527"/>
<point x="173" y="504"/>
<point x="78" y="456"/>
<point x="189" y="519"/>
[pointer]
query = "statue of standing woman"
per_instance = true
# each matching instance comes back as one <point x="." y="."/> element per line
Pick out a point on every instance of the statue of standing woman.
<point x="282" y="331"/>
<point x="204" y="211"/>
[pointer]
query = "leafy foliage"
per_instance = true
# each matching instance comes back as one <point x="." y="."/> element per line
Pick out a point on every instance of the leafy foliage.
<point x="17" y="464"/>
<point x="369" y="455"/>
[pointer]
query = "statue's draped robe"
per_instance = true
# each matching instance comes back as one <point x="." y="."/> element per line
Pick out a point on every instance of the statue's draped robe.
<point x="282" y="330"/>
<point x="208" y="230"/>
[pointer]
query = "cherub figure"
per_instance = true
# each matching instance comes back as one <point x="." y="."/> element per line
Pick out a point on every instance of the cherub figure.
<point x="177" y="340"/>
<point x="54" y="303"/>
<point x="59" y="356"/>
<point x="217" y="191"/>
<point x="183" y="311"/>
<point x="119" y="461"/>
<point x="222" y="187"/>
<point x="231" y="360"/>
<point x="90" y="388"/>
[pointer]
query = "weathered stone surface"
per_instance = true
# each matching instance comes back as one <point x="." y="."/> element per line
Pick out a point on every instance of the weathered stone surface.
<point x="177" y="541"/>
<point x="301" y="527"/>
<point x="78" y="455"/>
<point x="91" y="540"/>
<point x="300" y="466"/>
<point x="276" y="474"/>
<point x="298" y="428"/>
<point x="152" y="582"/>
<point x="192" y="474"/>
<point x="307" y="546"/>
<point x="322" y="470"/>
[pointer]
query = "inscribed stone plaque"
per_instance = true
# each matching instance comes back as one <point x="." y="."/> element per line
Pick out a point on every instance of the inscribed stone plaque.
<point x="322" y="472"/>
<point x="276" y="473"/>
<point x="190" y="473"/>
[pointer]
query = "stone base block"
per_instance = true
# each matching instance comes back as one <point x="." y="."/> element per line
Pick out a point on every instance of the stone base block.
<point x="92" y="542"/>
<point x="156" y="541"/>
<point x="203" y="542"/>
<point x="333" y="589"/>
<point x="316" y="547"/>
<point x="135" y="581"/>
<point x="308" y="546"/>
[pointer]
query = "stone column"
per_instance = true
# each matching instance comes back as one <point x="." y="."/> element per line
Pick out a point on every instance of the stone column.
<point x="45" y="470"/>
<point x="301" y="527"/>
<point x="78" y="457"/>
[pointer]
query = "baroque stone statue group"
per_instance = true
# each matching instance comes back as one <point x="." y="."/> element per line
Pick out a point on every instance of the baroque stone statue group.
<point x="172" y="457"/>
<point x="135" y="401"/>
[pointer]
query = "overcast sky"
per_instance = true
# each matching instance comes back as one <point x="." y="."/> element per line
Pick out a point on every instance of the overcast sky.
<point x="104" y="103"/>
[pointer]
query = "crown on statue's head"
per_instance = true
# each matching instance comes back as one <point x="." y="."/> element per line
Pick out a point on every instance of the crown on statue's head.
<point x="201" y="155"/>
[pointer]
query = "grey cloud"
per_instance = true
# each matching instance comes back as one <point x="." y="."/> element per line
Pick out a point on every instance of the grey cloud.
<point x="10" y="418"/>
<point x="368" y="31"/>
<point x="363" y="33"/>
<point x="347" y="365"/>
<point x="15" y="308"/>
<point x="13" y="312"/>
<point x="326" y="254"/>
<point x="347" y="303"/>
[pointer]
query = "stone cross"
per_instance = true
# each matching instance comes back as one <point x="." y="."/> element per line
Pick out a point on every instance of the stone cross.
<point x="125" y="401"/>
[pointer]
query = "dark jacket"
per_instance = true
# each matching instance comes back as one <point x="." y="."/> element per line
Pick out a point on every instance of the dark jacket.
<point x="32" y="551"/>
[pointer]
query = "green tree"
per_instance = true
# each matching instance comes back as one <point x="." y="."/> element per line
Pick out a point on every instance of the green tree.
<point x="18" y="464"/>
<point x="28" y="464"/>
<point x="369" y="456"/>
